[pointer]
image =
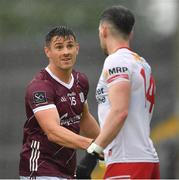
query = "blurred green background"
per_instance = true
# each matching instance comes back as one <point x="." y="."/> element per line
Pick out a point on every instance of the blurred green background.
<point x="23" y="25"/>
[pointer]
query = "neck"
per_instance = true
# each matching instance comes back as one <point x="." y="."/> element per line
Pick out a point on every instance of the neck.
<point x="63" y="75"/>
<point x="115" y="44"/>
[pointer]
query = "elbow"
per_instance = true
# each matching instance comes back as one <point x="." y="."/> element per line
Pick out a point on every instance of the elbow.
<point x="121" y="115"/>
<point x="51" y="137"/>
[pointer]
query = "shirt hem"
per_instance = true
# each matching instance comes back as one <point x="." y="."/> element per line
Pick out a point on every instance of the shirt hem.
<point x="35" y="174"/>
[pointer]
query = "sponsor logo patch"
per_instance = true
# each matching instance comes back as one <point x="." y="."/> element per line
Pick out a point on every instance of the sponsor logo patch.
<point x="117" y="70"/>
<point x="39" y="97"/>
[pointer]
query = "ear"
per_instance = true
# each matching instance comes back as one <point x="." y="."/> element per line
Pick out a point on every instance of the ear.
<point x="104" y="30"/>
<point x="77" y="48"/>
<point x="47" y="51"/>
<point x="131" y="34"/>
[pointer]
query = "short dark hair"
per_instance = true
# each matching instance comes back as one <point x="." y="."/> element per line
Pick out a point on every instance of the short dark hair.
<point x="119" y="16"/>
<point x="63" y="31"/>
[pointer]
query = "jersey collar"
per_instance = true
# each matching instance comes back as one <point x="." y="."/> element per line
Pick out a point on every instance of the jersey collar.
<point x="67" y="85"/>
<point x="123" y="48"/>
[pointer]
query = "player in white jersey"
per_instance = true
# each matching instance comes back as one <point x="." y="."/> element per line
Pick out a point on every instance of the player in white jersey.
<point x="125" y="95"/>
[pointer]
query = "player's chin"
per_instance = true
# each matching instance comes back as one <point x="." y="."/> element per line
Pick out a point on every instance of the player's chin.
<point x="68" y="63"/>
<point x="67" y="67"/>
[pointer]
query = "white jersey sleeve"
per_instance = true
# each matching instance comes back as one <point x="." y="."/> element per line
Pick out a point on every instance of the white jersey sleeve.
<point x="116" y="69"/>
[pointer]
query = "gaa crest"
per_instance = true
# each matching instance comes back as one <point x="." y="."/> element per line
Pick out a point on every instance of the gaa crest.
<point x="82" y="98"/>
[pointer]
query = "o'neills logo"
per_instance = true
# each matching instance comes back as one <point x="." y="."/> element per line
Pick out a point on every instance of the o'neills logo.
<point x="117" y="70"/>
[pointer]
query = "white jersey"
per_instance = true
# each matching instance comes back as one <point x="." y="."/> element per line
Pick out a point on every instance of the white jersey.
<point x="133" y="143"/>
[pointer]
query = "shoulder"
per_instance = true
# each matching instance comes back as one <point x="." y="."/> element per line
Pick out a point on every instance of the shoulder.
<point x="81" y="77"/>
<point x="119" y="62"/>
<point x="81" y="80"/>
<point x="141" y="62"/>
<point x="40" y="81"/>
<point x="119" y="58"/>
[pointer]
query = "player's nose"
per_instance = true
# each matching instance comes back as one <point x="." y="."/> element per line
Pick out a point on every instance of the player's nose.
<point x="66" y="50"/>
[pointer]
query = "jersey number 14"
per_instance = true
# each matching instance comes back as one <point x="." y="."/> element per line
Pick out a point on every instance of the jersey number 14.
<point x="150" y="92"/>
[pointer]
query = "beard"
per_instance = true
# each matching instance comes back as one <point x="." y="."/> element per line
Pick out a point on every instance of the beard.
<point x="105" y="51"/>
<point x="104" y="48"/>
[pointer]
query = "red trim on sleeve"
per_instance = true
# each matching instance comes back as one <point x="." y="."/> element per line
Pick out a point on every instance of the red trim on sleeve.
<point x="125" y="76"/>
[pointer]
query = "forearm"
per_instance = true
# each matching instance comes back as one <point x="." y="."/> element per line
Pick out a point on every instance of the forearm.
<point x="49" y="121"/>
<point x="67" y="138"/>
<point x="88" y="124"/>
<point x="90" y="127"/>
<point x="119" y="97"/>
<point x="111" y="128"/>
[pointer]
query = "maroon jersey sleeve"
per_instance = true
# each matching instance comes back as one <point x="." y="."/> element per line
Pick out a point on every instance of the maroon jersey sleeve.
<point x="39" y="94"/>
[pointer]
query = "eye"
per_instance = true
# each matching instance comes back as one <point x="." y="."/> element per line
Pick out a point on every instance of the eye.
<point x="59" y="47"/>
<point x="70" y="45"/>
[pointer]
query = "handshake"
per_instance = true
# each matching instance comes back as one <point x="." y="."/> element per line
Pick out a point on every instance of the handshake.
<point x="89" y="161"/>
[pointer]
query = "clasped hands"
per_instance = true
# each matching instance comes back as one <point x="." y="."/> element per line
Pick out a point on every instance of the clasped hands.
<point x="89" y="161"/>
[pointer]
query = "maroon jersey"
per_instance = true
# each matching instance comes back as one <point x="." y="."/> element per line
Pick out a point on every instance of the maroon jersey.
<point x="39" y="156"/>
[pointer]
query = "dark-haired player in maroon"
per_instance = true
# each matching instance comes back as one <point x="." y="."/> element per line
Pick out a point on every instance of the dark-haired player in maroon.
<point x="57" y="110"/>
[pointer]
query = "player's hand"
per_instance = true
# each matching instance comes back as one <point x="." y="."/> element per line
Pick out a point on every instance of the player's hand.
<point x="95" y="149"/>
<point x="86" y="166"/>
<point x="88" y="163"/>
